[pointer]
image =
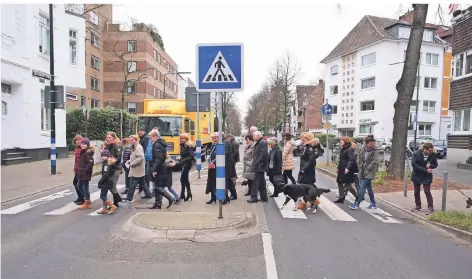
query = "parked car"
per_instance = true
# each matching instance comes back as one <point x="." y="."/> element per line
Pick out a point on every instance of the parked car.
<point x="441" y="148"/>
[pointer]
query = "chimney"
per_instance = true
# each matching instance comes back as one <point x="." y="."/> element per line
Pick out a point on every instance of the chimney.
<point x="320" y="82"/>
<point x="408" y="17"/>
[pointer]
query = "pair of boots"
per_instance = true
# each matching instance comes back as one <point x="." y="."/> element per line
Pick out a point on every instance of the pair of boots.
<point x="87" y="204"/>
<point x="182" y="193"/>
<point x="160" y="192"/>
<point x="108" y="208"/>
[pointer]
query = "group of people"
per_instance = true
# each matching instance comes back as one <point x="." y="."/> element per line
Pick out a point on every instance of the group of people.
<point x="144" y="161"/>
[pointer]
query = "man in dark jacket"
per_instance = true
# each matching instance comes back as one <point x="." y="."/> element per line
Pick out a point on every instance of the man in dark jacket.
<point x="230" y="171"/>
<point x="234" y="147"/>
<point x="259" y="167"/>
<point x="159" y="170"/>
<point x="423" y="162"/>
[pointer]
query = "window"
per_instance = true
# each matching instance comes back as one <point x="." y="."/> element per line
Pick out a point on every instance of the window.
<point x="43" y="34"/>
<point x="83" y="101"/>
<point x="95" y="62"/>
<point x="424" y="130"/>
<point x="131" y="66"/>
<point x="365" y="129"/>
<point x="94" y="84"/>
<point x="367" y="106"/>
<point x="72" y="46"/>
<point x="131" y="86"/>
<point x="158" y="58"/>
<point x="155" y="55"/>
<point x="334" y="70"/>
<point x="94" y="40"/>
<point x="413" y="106"/>
<point x="154" y="73"/>
<point x="94" y="103"/>
<point x="4" y="108"/>
<point x="6" y="88"/>
<point x="432" y="59"/>
<point x="452" y="67"/>
<point x="154" y="91"/>
<point x="429" y="106"/>
<point x="132" y="107"/>
<point x="462" y="120"/>
<point x="430" y="82"/>
<point x="428" y="36"/>
<point x="70" y="96"/>
<point x="334" y="90"/>
<point x="159" y="93"/>
<point x="132" y="46"/>
<point x="93" y="18"/>
<point x="463" y="63"/>
<point x="45" y="113"/>
<point x="368" y="59"/>
<point x="368" y="83"/>
<point x="404" y="32"/>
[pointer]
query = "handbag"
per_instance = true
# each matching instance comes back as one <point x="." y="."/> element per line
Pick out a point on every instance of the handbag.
<point x="211" y="166"/>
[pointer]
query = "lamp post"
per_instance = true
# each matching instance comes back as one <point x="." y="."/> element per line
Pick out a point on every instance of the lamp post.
<point x="172" y="73"/>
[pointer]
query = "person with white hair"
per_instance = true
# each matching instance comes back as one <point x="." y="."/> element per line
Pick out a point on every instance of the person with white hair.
<point x="259" y="166"/>
<point x="252" y="130"/>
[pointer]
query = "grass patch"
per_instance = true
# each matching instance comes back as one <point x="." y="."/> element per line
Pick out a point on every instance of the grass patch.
<point x="460" y="220"/>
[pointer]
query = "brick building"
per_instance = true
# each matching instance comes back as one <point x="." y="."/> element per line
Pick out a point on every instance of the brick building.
<point x="97" y="16"/>
<point x="310" y="99"/>
<point x="460" y="101"/>
<point x="147" y="64"/>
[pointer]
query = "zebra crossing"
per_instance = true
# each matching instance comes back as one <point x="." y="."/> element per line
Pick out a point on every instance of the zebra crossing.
<point x="332" y="210"/>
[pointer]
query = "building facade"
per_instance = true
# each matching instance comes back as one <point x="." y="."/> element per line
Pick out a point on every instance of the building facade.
<point x="136" y="68"/>
<point x="361" y="75"/>
<point x="97" y="18"/>
<point x="182" y="83"/>
<point x="460" y="100"/>
<point x="25" y="56"/>
<point x="310" y="99"/>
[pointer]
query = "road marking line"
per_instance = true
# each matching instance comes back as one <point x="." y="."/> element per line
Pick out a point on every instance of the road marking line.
<point x="287" y="212"/>
<point x="72" y="206"/>
<point x="333" y="211"/>
<point x="28" y="205"/>
<point x="271" y="267"/>
<point x="377" y="213"/>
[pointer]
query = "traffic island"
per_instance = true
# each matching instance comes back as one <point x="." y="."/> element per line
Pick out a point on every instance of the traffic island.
<point x="188" y="227"/>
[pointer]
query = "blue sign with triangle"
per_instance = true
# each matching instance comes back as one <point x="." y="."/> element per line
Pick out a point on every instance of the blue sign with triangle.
<point x="220" y="67"/>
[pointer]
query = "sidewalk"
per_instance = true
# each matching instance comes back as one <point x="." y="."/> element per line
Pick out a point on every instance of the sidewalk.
<point x="28" y="179"/>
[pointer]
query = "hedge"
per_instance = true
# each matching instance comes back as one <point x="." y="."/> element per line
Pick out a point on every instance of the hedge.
<point x="100" y="122"/>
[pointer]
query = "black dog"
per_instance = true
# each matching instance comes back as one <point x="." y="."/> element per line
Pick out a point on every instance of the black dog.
<point x="469" y="203"/>
<point x="309" y="193"/>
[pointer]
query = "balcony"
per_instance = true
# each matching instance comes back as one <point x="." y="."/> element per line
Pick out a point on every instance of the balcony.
<point x="75" y="9"/>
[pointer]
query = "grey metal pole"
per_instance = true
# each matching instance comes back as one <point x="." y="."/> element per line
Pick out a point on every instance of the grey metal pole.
<point x="53" y="90"/>
<point x="444" y="192"/>
<point x="327" y="149"/>
<point x="198" y="127"/>
<point x="220" y="136"/>
<point x="405" y="189"/>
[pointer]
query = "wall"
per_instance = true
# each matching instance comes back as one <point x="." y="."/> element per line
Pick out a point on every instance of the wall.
<point x="20" y="55"/>
<point x="447" y="78"/>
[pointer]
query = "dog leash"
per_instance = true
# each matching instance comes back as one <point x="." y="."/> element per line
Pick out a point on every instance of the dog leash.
<point x="462" y="193"/>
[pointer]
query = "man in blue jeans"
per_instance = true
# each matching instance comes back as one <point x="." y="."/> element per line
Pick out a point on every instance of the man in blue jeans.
<point x="368" y="163"/>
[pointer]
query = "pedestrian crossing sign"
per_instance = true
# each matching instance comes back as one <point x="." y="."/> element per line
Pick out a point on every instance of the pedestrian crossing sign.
<point x="219" y="67"/>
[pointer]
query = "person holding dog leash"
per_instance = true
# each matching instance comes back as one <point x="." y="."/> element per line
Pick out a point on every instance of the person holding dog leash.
<point x="307" y="160"/>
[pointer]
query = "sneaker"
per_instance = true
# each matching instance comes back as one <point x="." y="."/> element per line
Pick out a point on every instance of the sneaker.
<point x="354" y="206"/>
<point x="430" y="211"/>
<point x="417" y="208"/>
<point x="372" y="206"/>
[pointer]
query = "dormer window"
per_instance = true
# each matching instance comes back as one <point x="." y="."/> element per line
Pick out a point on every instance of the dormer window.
<point x="404" y="32"/>
<point x="428" y="36"/>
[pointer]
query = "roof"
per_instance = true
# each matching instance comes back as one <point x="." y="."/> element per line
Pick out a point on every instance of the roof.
<point x="369" y="30"/>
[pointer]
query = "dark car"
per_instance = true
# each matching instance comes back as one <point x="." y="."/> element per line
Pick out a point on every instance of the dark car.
<point x="441" y="148"/>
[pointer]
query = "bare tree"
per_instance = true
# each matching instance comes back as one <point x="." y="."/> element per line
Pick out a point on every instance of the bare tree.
<point x="233" y="122"/>
<point x="405" y="88"/>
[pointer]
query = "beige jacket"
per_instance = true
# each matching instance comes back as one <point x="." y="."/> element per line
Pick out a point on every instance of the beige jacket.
<point x="287" y="156"/>
<point x="137" y="163"/>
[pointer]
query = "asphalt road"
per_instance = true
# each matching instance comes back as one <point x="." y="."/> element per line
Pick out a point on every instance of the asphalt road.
<point x="74" y="244"/>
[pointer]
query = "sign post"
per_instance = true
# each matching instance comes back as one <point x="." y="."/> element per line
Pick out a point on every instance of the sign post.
<point x="220" y="69"/>
<point x="327" y="110"/>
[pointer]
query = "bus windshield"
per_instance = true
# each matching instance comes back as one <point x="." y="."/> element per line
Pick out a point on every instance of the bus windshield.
<point x="168" y="125"/>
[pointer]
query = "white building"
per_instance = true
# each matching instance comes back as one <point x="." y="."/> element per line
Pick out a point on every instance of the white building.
<point x="25" y="72"/>
<point x="362" y="71"/>
<point x="182" y="83"/>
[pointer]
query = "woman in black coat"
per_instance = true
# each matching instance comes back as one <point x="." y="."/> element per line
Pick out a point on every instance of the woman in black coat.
<point x="307" y="160"/>
<point x="274" y="165"/>
<point x="346" y="168"/>
<point x="423" y="162"/>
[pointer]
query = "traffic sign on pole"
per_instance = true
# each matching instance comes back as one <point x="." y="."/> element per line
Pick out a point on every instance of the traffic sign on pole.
<point x="220" y="67"/>
<point x="326" y="109"/>
<point x="327" y="125"/>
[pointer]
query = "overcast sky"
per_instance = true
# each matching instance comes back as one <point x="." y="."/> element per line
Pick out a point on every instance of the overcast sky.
<point x="309" y="30"/>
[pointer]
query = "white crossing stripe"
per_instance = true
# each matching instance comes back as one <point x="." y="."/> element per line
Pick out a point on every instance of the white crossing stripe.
<point x="378" y="213"/>
<point x="28" y="205"/>
<point x="333" y="211"/>
<point x="72" y="206"/>
<point x="288" y="211"/>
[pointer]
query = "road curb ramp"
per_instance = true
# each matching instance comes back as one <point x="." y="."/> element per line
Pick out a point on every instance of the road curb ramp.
<point x="187" y="227"/>
<point x="457" y="232"/>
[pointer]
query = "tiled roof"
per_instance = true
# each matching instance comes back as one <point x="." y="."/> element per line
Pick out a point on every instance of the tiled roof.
<point x="369" y="30"/>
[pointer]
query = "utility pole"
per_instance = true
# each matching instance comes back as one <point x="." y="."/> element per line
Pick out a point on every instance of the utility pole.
<point x="53" y="89"/>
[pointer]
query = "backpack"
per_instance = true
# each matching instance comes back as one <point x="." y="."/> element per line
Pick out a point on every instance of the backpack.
<point x="148" y="154"/>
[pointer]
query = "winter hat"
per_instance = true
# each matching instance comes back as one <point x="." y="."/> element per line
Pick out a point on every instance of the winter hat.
<point x="105" y="153"/>
<point x="85" y="141"/>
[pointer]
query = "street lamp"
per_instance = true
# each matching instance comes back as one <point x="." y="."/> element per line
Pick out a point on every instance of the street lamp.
<point x="172" y="73"/>
<point x="415" y="127"/>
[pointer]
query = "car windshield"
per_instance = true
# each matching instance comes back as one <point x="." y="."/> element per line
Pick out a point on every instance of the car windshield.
<point x="440" y="143"/>
<point x="168" y="125"/>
